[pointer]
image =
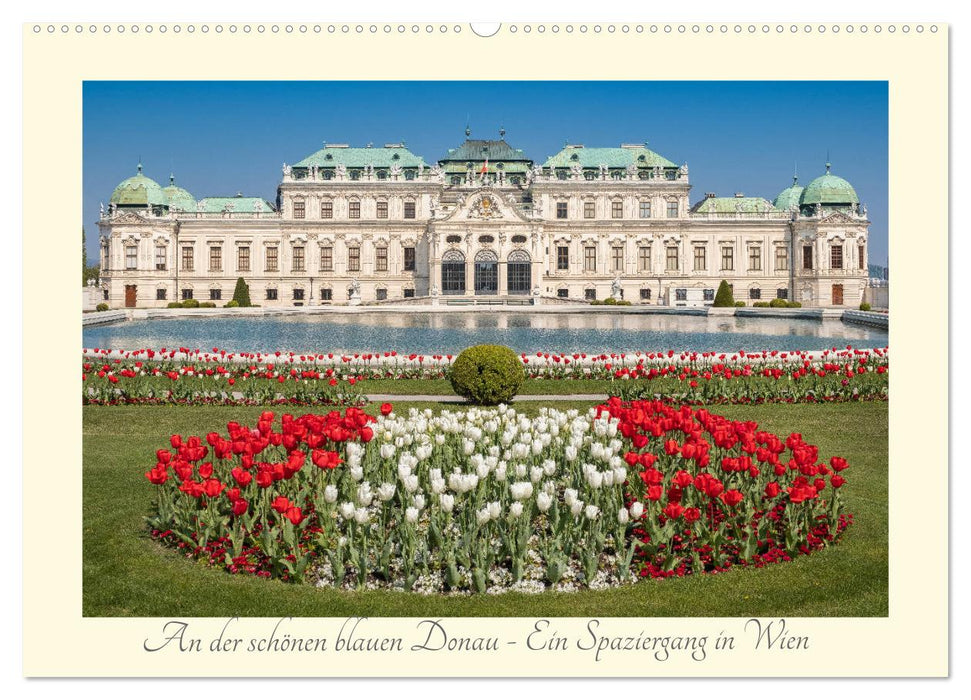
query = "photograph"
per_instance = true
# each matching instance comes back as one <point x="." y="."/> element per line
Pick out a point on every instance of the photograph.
<point x="485" y="348"/>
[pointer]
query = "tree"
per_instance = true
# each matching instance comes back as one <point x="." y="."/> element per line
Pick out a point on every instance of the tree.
<point x="84" y="260"/>
<point x="724" y="297"/>
<point x="241" y="293"/>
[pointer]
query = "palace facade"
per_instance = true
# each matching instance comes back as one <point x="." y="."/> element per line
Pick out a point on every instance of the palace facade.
<point x="485" y="223"/>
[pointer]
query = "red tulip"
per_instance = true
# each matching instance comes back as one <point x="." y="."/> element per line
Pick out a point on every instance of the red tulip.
<point x="386" y="408"/>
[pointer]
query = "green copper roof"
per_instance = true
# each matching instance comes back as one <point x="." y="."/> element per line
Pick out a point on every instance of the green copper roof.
<point x="478" y="150"/>
<point x="640" y="156"/>
<point x="789" y="197"/>
<point x="178" y="197"/>
<point x="379" y="157"/>
<point x="139" y="191"/>
<point x="731" y="205"/>
<point x="829" y="190"/>
<point x="238" y="205"/>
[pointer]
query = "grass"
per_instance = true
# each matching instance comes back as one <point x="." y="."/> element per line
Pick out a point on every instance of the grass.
<point x="127" y="574"/>
<point x="442" y="387"/>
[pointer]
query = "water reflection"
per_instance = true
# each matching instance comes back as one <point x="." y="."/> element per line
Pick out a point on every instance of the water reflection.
<point x="452" y="331"/>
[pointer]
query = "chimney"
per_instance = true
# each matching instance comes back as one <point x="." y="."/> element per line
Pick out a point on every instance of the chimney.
<point x="709" y="195"/>
<point x="739" y="195"/>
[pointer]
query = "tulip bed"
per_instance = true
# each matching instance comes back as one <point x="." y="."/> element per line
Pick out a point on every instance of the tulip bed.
<point x="493" y="500"/>
<point x="192" y="377"/>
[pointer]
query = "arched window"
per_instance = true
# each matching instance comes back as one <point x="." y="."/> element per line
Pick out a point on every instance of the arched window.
<point x="486" y="272"/>
<point x="518" y="272"/>
<point x="453" y="272"/>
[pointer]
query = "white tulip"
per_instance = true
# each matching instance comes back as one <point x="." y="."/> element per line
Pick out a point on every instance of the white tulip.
<point x="549" y="467"/>
<point x="438" y="485"/>
<point x="330" y="494"/>
<point x="495" y="510"/>
<point x="361" y="516"/>
<point x="516" y="509"/>
<point x="570" y="496"/>
<point x="482" y="516"/>
<point x="419" y="501"/>
<point x="521" y="490"/>
<point x="536" y="474"/>
<point x="543" y="501"/>
<point x="411" y="515"/>
<point x="364" y="495"/>
<point x="636" y="510"/>
<point x="576" y="507"/>
<point x="447" y="502"/>
<point x="410" y="483"/>
<point x="386" y="491"/>
<point x="591" y="512"/>
<point x="387" y="451"/>
<point x="347" y="509"/>
<point x="357" y="473"/>
<point x="623" y="516"/>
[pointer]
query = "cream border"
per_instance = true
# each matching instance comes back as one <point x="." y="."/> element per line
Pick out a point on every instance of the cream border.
<point x="912" y="641"/>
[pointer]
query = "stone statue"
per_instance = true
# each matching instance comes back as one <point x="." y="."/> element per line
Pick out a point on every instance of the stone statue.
<point x="437" y="172"/>
<point x="258" y="206"/>
<point x="615" y="288"/>
<point x="632" y="172"/>
<point x="863" y="211"/>
<point x="286" y="170"/>
<point x="576" y="171"/>
<point x="434" y="291"/>
<point x="341" y="171"/>
<point x="603" y="171"/>
<point x="112" y="209"/>
<point x="421" y="169"/>
<point x="102" y="210"/>
<point x="395" y="171"/>
<point x="683" y="170"/>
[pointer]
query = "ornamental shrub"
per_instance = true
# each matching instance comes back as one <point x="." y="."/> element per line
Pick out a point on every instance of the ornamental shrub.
<point x="778" y="303"/>
<point x="610" y="301"/>
<point x="190" y="304"/>
<point x="487" y="374"/>
<point x="207" y="305"/>
<point x="864" y="306"/>
<point x="739" y="303"/>
<point x="794" y="305"/>
<point x="761" y="304"/>
<point x="104" y="307"/>
<point x="232" y="304"/>
<point x="241" y="293"/>
<point x="724" y="297"/>
<point x="175" y="305"/>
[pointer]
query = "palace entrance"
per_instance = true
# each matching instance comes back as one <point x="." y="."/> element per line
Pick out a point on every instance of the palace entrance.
<point x="486" y="272"/>
<point x="837" y="295"/>
<point x="453" y="273"/>
<point x="131" y="295"/>
<point x="518" y="273"/>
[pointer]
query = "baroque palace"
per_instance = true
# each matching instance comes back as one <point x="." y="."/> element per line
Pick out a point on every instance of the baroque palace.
<point x="485" y="224"/>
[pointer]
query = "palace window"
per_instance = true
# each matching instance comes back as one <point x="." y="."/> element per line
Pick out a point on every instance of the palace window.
<point x="354" y="209"/>
<point x="242" y="258"/>
<point x="781" y="259"/>
<point x="409" y="293"/>
<point x="755" y="258"/>
<point x="645" y="209"/>
<point x="299" y="259"/>
<point x="755" y="293"/>
<point x="862" y="257"/>
<point x="327" y="210"/>
<point x="681" y="294"/>
<point x="562" y="257"/>
<point x="161" y="253"/>
<point x="728" y="258"/>
<point x="186" y="294"/>
<point x="409" y="210"/>
<point x="161" y="294"/>
<point x="589" y="210"/>
<point x="272" y="259"/>
<point x="701" y="262"/>
<point x="671" y="259"/>
<point x="836" y="257"/>
<point x="644" y="258"/>
<point x="131" y="257"/>
<point x="645" y="295"/>
<point x="271" y="294"/>
<point x="215" y="295"/>
<point x="589" y="294"/>
<point x="617" y="209"/>
<point x="215" y="258"/>
<point x="298" y="295"/>
<point x="590" y="259"/>
<point x="381" y="259"/>
<point x="409" y="259"/>
<point x="673" y="210"/>
<point x="187" y="258"/>
<point x="326" y="295"/>
<point x="617" y="259"/>
<point x="782" y="293"/>
<point x="382" y="209"/>
<point x="561" y="210"/>
<point x="807" y="257"/>
<point x="299" y="209"/>
<point x="326" y="259"/>
<point x="709" y="295"/>
<point x="381" y="294"/>
<point x="562" y="293"/>
<point x="354" y="259"/>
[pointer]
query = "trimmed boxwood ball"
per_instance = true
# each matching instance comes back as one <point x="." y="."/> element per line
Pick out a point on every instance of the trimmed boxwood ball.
<point x="487" y="374"/>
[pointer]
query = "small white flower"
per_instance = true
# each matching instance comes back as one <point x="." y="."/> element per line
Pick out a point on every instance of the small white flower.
<point x="364" y="495"/>
<point x="411" y="515"/>
<point x="410" y="483"/>
<point x="330" y="494"/>
<point x="386" y="491"/>
<point x="543" y="501"/>
<point x="495" y="510"/>
<point x="570" y="453"/>
<point x="447" y="502"/>
<point x="623" y="516"/>
<point x="576" y="507"/>
<point x="536" y="474"/>
<point x="438" y="485"/>
<point x="521" y="490"/>
<point x="636" y="510"/>
<point x="347" y="509"/>
<point x="591" y="512"/>
<point x="357" y="473"/>
<point x="361" y="516"/>
<point x="387" y="451"/>
<point x="419" y="501"/>
<point x="482" y="516"/>
<point x="516" y="509"/>
<point x="570" y="496"/>
<point x="549" y="467"/>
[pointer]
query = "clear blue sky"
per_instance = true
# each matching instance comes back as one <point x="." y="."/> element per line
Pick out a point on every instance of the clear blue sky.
<point x="220" y="138"/>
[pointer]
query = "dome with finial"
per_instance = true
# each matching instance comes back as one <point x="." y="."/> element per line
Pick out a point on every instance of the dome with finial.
<point x="789" y="197"/>
<point x="139" y="191"/>
<point x="829" y="191"/>
<point x="179" y="198"/>
<point x="468" y="131"/>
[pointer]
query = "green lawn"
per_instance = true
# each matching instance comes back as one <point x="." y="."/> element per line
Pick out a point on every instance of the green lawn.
<point x="442" y="387"/>
<point x="127" y="574"/>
